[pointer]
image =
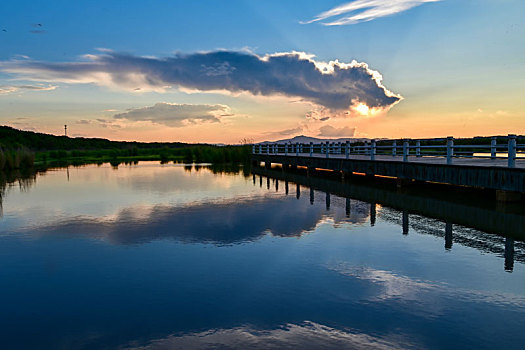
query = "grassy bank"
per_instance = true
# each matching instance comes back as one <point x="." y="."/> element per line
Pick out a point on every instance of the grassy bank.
<point x="16" y="159"/>
<point x="189" y="154"/>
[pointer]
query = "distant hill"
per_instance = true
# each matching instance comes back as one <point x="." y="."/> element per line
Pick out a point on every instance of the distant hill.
<point x="11" y="138"/>
<point x="308" y="139"/>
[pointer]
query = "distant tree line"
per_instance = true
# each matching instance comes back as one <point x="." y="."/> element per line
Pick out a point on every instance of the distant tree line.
<point x="23" y="149"/>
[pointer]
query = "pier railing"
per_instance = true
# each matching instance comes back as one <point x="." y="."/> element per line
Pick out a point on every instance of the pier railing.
<point x="498" y="148"/>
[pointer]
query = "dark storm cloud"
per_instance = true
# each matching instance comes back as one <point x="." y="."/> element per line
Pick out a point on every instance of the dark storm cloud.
<point x="333" y="84"/>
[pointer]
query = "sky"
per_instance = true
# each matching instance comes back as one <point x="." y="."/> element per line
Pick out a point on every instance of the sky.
<point x="227" y="71"/>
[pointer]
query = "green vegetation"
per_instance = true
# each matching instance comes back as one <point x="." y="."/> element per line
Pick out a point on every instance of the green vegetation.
<point x="24" y="149"/>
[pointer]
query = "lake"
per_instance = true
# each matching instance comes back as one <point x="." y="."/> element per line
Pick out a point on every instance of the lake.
<point x="152" y="256"/>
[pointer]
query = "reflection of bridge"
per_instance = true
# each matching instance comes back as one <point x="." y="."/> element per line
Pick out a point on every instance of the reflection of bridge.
<point x="491" y="166"/>
<point x="455" y="219"/>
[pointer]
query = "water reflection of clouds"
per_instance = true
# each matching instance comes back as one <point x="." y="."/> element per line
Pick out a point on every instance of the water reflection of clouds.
<point x="426" y="298"/>
<point x="93" y="191"/>
<point x="222" y="222"/>
<point x="308" y="335"/>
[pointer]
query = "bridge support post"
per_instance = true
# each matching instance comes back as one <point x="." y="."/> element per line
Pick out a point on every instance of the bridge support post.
<point x="347" y="149"/>
<point x="373" y="213"/>
<point x="373" y="150"/>
<point x="448" y="235"/>
<point x="405" y="151"/>
<point x="405" y="222"/>
<point x="418" y="148"/>
<point x="311" y="149"/>
<point x="394" y="148"/>
<point x="493" y="147"/>
<point x="509" y="254"/>
<point x="450" y="149"/>
<point x="512" y="151"/>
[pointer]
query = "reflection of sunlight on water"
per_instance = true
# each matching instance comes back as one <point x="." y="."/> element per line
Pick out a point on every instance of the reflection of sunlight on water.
<point x="499" y="154"/>
<point x="308" y="335"/>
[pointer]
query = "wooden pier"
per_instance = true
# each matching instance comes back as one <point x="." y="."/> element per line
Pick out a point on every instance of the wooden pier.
<point x="490" y="166"/>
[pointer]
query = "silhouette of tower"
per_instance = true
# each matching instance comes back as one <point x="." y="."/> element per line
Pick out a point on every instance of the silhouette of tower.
<point x="65" y="130"/>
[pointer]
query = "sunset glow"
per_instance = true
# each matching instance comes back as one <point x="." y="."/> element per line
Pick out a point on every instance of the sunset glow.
<point x="276" y="71"/>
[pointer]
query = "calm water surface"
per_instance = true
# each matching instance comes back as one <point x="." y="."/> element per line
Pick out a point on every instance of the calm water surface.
<point x="154" y="256"/>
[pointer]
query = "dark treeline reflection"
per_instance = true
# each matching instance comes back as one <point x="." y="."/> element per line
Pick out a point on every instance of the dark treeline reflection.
<point x="24" y="179"/>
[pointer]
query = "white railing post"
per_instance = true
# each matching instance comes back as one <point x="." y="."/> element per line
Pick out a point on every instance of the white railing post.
<point x="373" y="150"/>
<point x="347" y="149"/>
<point x="253" y="149"/>
<point x="311" y="149"/>
<point x="296" y="149"/>
<point x="512" y="151"/>
<point x="450" y="149"/>
<point x="285" y="149"/>
<point x="406" y="149"/>
<point x="327" y="149"/>
<point x="394" y="148"/>
<point x="493" y="148"/>
<point x="418" y="148"/>
<point x="267" y="148"/>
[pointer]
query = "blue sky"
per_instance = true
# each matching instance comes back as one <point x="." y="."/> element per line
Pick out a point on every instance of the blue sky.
<point x="457" y="64"/>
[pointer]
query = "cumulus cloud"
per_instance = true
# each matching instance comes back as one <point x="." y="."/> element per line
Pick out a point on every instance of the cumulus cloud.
<point x="176" y="115"/>
<point x="364" y="10"/>
<point x="330" y="131"/>
<point x="6" y="89"/>
<point x="334" y="85"/>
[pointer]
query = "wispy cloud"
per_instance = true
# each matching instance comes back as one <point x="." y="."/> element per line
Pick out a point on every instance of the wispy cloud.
<point x="364" y="10"/>
<point x="334" y="85"/>
<point x="285" y="132"/>
<point x="176" y="115"/>
<point x="7" y="89"/>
